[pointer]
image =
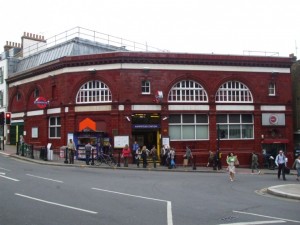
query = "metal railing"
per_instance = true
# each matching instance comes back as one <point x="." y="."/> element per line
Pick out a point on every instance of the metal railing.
<point x="94" y="36"/>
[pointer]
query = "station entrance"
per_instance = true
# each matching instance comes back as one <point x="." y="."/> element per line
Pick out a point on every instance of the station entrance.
<point x="146" y="130"/>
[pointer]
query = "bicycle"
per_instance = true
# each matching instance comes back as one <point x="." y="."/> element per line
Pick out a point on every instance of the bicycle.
<point x="107" y="159"/>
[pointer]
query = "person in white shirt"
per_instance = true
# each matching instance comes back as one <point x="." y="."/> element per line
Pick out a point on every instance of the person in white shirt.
<point x="280" y="162"/>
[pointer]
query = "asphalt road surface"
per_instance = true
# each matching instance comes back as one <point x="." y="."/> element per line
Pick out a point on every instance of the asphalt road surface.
<point x="32" y="194"/>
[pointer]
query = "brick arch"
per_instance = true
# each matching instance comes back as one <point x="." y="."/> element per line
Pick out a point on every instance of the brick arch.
<point x="29" y="96"/>
<point x="13" y="105"/>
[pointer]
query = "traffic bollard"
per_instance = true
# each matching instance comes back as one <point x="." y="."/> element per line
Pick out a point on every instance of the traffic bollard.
<point x="66" y="156"/>
<point x="92" y="163"/>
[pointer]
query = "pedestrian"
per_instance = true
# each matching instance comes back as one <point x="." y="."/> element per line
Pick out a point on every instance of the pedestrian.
<point x="135" y="148"/>
<point x="254" y="163"/>
<point x="280" y="162"/>
<point x="138" y="157"/>
<point x="163" y="155"/>
<point x="126" y="154"/>
<point x="188" y="155"/>
<point x="88" y="150"/>
<point x="210" y="161"/>
<point x="231" y="161"/>
<point x="172" y="158"/>
<point x="71" y="150"/>
<point x="144" y="156"/>
<point x="153" y="153"/>
<point x="21" y="143"/>
<point x="297" y="165"/>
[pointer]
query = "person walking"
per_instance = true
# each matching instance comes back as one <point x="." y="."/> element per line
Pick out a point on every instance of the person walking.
<point x="138" y="157"/>
<point x="88" y="150"/>
<point x="280" y="162"/>
<point x="71" y="150"/>
<point x="210" y="161"/>
<point x="254" y="163"/>
<point x="297" y="165"/>
<point x="144" y="156"/>
<point x="135" y="148"/>
<point x="153" y="153"/>
<point x="126" y="154"/>
<point x="231" y="159"/>
<point x="188" y="155"/>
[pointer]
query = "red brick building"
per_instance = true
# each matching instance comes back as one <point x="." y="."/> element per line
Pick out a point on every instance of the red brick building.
<point x="186" y="99"/>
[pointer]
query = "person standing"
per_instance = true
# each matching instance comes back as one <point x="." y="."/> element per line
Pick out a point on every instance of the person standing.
<point x="163" y="155"/>
<point x="153" y="153"/>
<point x="280" y="162"/>
<point x="126" y="154"/>
<point x="254" y="163"/>
<point x="71" y="151"/>
<point x="210" y="161"/>
<point x="297" y="165"/>
<point x="188" y="155"/>
<point x="88" y="150"/>
<point x="135" y="148"/>
<point x="231" y="159"/>
<point x="144" y="156"/>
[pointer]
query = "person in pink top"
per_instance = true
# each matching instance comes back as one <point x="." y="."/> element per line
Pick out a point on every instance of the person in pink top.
<point x="126" y="154"/>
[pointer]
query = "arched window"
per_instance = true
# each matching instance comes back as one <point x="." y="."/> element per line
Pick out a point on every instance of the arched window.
<point x="234" y="91"/>
<point x="93" y="92"/>
<point x="187" y="91"/>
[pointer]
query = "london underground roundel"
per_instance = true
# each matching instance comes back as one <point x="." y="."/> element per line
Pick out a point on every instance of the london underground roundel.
<point x="41" y="102"/>
<point x="273" y="119"/>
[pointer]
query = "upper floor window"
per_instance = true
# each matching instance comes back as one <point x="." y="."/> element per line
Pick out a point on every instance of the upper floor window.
<point x="94" y="92"/>
<point x="1" y="98"/>
<point x="146" y="87"/>
<point x="272" y="89"/>
<point x="54" y="127"/>
<point x="18" y="96"/>
<point x="234" y="91"/>
<point x="36" y="93"/>
<point x="1" y="75"/>
<point x="187" y="91"/>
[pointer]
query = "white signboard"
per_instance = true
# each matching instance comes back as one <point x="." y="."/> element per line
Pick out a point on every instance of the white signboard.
<point x="121" y="141"/>
<point x="273" y="119"/>
<point x="166" y="141"/>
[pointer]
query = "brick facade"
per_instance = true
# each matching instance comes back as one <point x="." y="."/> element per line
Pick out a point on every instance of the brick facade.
<point x="123" y="73"/>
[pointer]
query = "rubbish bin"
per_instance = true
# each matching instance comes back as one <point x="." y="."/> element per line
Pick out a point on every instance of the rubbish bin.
<point x="43" y="153"/>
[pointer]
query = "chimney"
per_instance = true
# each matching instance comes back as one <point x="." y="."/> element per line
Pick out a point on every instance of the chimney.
<point x="10" y="45"/>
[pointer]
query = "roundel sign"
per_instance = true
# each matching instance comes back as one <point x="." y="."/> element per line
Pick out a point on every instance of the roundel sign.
<point x="273" y="119"/>
<point x="41" y="102"/>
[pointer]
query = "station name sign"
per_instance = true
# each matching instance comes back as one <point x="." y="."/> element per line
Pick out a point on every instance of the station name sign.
<point x="145" y="126"/>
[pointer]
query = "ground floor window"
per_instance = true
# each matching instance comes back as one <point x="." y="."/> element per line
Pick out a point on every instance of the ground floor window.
<point x="188" y="127"/>
<point x="54" y="127"/>
<point x="235" y="126"/>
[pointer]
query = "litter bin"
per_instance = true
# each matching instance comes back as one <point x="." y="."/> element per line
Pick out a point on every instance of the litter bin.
<point x="43" y="153"/>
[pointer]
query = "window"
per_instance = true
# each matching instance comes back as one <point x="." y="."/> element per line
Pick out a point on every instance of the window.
<point x="188" y="127"/>
<point x="234" y="91"/>
<point x="187" y="91"/>
<point x="36" y="93"/>
<point x="235" y="126"/>
<point x="18" y="96"/>
<point x="1" y="98"/>
<point x="146" y="87"/>
<point x="54" y="127"/>
<point x="1" y="75"/>
<point x="272" y="89"/>
<point x="93" y="92"/>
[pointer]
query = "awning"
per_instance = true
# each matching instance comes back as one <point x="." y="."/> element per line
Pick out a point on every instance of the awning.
<point x="275" y="141"/>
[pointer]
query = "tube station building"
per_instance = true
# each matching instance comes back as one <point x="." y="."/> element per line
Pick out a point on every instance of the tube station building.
<point x="236" y="103"/>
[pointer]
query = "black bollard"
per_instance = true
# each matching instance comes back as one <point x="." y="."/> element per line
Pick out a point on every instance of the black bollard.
<point x="22" y="148"/>
<point x="194" y="163"/>
<point x="18" y="146"/>
<point x="92" y="163"/>
<point x="31" y="148"/>
<point x="66" y="156"/>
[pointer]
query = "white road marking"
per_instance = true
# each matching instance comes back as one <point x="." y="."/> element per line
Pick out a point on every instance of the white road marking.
<point x="169" y="203"/>
<point x="53" y="203"/>
<point x="2" y="173"/>
<point x="4" y="169"/>
<point x="271" y="217"/>
<point x="255" y="222"/>
<point x="9" y="178"/>
<point x="45" y="178"/>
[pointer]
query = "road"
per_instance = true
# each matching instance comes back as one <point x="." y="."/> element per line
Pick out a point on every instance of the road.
<point x="38" y="194"/>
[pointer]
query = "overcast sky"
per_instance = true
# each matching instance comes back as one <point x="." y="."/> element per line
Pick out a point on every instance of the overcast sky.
<point x="192" y="26"/>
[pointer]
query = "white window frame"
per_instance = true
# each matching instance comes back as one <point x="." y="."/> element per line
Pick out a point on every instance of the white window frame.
<point x="56" y="126"/>
<point x="187" y="91"/>
<point x="229" y="127"/>
<point x="146" y="87"/>
<point x="234" y="91"/>
<point x="93" y="91"/>
<point x="272" y="89"/>
<point x="180" y="127"/>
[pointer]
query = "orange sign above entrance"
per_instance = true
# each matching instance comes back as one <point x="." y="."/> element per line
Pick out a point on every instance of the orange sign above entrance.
<point x="87" y="124"/>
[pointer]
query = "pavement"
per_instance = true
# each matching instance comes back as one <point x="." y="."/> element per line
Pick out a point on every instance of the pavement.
<point x="290" y="191"/>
